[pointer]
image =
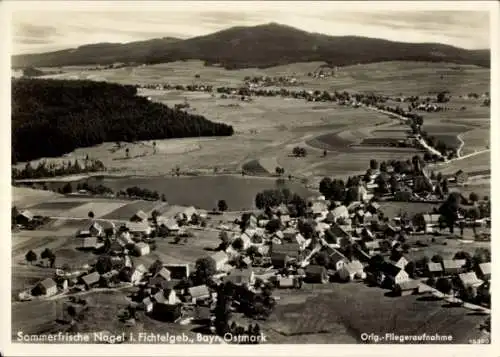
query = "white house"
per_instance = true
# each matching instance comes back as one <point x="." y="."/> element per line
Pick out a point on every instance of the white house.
<point x="351" y="271"/>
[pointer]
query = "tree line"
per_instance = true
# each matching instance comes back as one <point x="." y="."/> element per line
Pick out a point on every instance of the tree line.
<point x="62" y="115"/>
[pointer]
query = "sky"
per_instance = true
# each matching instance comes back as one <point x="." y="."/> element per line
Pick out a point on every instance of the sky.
<point x="55" y="28"/>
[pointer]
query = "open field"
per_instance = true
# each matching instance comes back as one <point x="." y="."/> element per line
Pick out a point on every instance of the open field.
<point x="474" y="163"/>
<point x="34" y="317"/>
<point x="127" y="211"/>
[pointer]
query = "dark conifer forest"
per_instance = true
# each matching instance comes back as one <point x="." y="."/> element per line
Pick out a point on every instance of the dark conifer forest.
<point x="54" y="117"/>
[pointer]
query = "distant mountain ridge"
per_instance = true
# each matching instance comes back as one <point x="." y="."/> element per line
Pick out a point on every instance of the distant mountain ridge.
<point x="258" y="46"/>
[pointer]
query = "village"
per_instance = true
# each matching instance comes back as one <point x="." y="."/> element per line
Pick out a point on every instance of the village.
<point x="290" y="242"/>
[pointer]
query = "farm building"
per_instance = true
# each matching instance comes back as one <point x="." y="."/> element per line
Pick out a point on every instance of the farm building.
<point x="431" y="222"/>
<point x="168" y="297"/>
<point x="469" y="279"/>
<point x="279" y="260"/>
<point x="455" y="266"/>
<point x="240" y="277"/>
<point x="125" y="239"/>
<point x="24" y="217"/>
<point x="109" y="278"/>
<point x="138" y="229"/>
<point x="168" y="223"/>
<point x="316" y="274"/>
<point x="163" y="273"/>
<point x="198" y="293"/>
<point x="220" y="259"/>
<point x="139" y="216"/>
<point x="141" y="249"/>
<point x="407" y="287"/>
<point x="135" y="274"/>
<point x="83" y="233"/>
<point x="337" y="213"/>
<point x="46" y="287"/>
<point x="289" y="233"/>
<point x="484" y="271"/>
<point x="351" y="271"/>
<point x="167" y="313"/>
<point x="178" y="271"/>
<point x="188" y="213"/>
<point x="400" y="263"/>
<point x="318" y="209"/>
<point x="91" y="280"/>
<point x="434" y="269"/>
<point x="88" y="243"/>
<point x="292" y="250"/>
<point x="393" y="275"/>
<point x="373" y="247"/>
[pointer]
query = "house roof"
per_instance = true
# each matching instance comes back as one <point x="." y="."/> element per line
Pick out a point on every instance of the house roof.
<point x="434" y="267"/>
<point x="91" y="278"/>
<point x="199" y="291"/>
<point x="160" y="297"/>
<point x="96" y="225"/>
<point x="141" y="268"/>
<point x="141" y="245"/>
<point x="338" y="231"/>
<point x="336" y="256"/>
<point x="469" y="279"/>
<point x="168" y="223"/>
<point x="372" y="245"/>
<point x="340" y="211"/>
<point x="48" y="283"/>
<point x="189" y="211"/>
<point x="219" y="257"/>
<point x="291" y="249"/>
<point x="485" y="268"/>
<point x="27" y="214"/>
<point x="147" y="301"/>
<point x="354" y="267"/>
<point x="138" y="226"/>
<point x="390" y="269"/>
<point x="89" y="242"/>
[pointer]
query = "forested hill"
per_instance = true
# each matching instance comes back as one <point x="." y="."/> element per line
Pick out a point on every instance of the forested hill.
<point x="258" y="46"/>
<point x="54" y="117"/>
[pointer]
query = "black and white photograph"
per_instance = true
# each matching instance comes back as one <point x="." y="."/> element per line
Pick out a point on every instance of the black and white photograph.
<point x="249" y="173"/>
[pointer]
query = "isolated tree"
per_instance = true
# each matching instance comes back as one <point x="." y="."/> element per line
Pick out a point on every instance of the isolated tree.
<point x="31" y="257"/>
<point x="127" y="152"/>
<point x="46" y="254"/>
<point x="437" y="258"/>
<point x="222" y="205"/>
<point x="90" y="214"/>
<point x="205" y="268"/>
<point x="473" y="197"/>
<point x="325" y="153"/>
<point x="154" y="147"/>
